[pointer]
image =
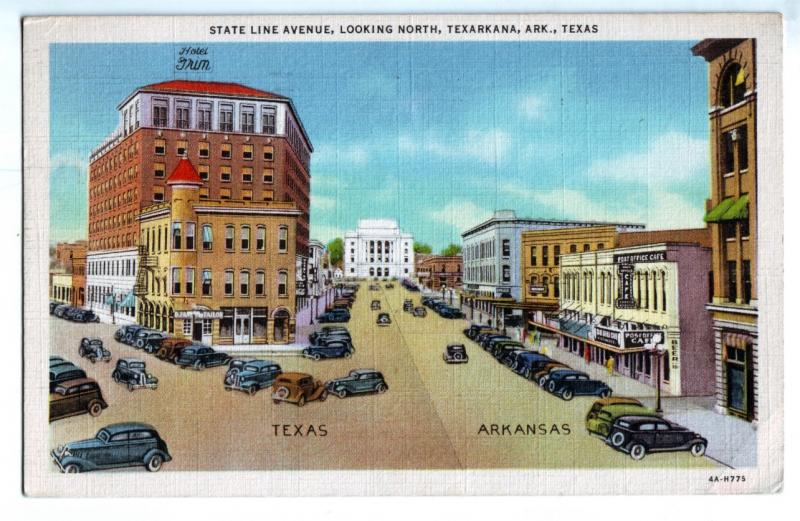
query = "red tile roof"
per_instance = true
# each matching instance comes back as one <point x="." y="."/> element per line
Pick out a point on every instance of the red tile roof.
<point x="184" y="173"/>
<point x="211" y="87"/>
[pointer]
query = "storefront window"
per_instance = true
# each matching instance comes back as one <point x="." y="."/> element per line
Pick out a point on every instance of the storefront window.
<point x="226" y="323"/>
<point x="260" y="322"/>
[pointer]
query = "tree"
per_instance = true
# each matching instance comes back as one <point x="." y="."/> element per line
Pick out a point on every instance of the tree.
<point x="336" y="251"/>
<point x="421" y="247"/>
<point x="452" y="249"/>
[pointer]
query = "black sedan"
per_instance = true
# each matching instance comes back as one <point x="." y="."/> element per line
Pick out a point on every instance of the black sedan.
<point x="567" y="383"/>
<point x="639" y="435"/>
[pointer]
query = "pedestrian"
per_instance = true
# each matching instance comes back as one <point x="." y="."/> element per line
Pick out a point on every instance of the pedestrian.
<point x="587" y="354"/>
<point x="610" y="365"/>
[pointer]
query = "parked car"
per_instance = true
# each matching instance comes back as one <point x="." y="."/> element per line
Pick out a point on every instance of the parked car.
<point x="611" y="400"/>
<point x="60" y="310"/>
<point x="342" y="303"/>
<point x="420" y="312"/>
<point x="73" y="397"/>
<point x="53" y="306"/>
<point x="357" y="382"/>
<point x="92" y="348"/>
<point x="120" y="333"/>
<point x="448" y="312"/>
<point x="335" y="315"/>
<point x="567" y="383"/>
<point x="171" y="348"/>
<point x="520" y="361"/>
<point x="200" y="357"/>
<point x="144" y="337"/>
<point x="118" y="445"/>
<point x="85" y="315"/>
<point x="376" y="305"/>
<point x="502" y="348"/>
<point x="475" y="329"/>
<point x="252" y="376"/>
<point x="130" y="334"/>
<point x="132" y="373"/>
<point x="541" y="374"/>
<point x="383" y="319"/>
<point x="599" y="423"/>
<point x="297" y="388"/>
<point x="484" y="338"/>
<point x="72" y="314"/>
<point x="494" y="342"/>
<point x="55" y="360"/>
<point x="408" y="305"/>
<point x="639" y="435"/>
<point x="374" y="287"/>
<point x="329" y="332"/>
<point x="63" y="372"/>
<point x="329" y="348"/>
<point x="455" y="354"/>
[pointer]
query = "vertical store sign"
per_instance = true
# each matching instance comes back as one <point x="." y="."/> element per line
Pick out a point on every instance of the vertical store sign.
<point x="625" y="297"/>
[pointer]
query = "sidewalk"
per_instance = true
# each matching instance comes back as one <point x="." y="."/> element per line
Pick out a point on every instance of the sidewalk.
<point x="731" y="441"/>
<point x="262" y="349"/>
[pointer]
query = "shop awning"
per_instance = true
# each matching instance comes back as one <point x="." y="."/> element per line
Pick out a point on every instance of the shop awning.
<point x="730" y="209"/>
<point x="716" y="213"/>
<point x="128" y="302"/>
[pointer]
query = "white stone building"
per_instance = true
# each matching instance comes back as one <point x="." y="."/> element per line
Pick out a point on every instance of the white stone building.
<point x="110" y="277"/>
<point x="378" y="248"/>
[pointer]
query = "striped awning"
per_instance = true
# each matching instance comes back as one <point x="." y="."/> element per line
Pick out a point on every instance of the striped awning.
<point x="737" y="340"/>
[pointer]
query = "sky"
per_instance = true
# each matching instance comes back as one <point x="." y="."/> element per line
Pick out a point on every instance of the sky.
<point x="436" y="135"/>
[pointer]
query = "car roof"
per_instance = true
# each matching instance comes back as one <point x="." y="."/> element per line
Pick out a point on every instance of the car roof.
<point x="129" y="360"/>
<point x="63" y="368"/>
<point x="260" y="363"/>
<point x="627" y="409"/>
<point x="637" y="418"/>
<point x="115" y="428"/>
<point x="567" y="371"/>
<point x="363" y="371"/>
<point x="76" y="382"/>
<point x="613" y="400"/>
<point x="294" y="376"/>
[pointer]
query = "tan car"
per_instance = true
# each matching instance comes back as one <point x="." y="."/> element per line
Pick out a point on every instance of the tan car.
<point x="171" y="348"/>
<point x="297" y="388"/>
<point x="541" y="376"/>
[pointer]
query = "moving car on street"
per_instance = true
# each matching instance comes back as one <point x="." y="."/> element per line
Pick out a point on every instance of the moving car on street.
<point x="375" y="305"/>
<point x="357" y="382"/>
<point x="251" y="376"/>
<point x="92" y="348"/>
<point x="568" y="383"/>
<point x="640" y="435"/>
<point x="383" y="319"/>
<point x="334" y="315"/>
<point x="199" y="357"/>
<point x="129" y="444"/>
<point x="408" y="305"/>
<point x="329" y="348"/>
<point x="74" y="397"/>
<point x="297" y="388"/>
<point x="330" y="332"/>
<point x="132" y="373"/>
<point x="420" y="312"/>
<point x="455" y="354"/>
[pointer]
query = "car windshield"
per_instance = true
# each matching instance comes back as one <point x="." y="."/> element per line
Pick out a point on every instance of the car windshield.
<point x="61" y="390"/>
<point x="253" y="368"/>
<point x="103" y="435"/>
<point x="136" y="365"/>
<point x="457" y="348"/>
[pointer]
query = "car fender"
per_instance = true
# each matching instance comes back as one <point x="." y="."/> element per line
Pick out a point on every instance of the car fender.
<point x="84" y="464"/>
<point x="152" y="452"/>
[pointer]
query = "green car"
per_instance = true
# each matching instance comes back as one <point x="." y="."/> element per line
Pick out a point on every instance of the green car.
<point x="599" y="422"/>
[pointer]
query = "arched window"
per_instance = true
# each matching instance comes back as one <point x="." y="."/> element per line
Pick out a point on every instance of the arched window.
<point x="546" y="284"/>
<point x="556" y="288"/>
<point x="283" y="242"/>
<point x="602" y="288"/>
<point x="732" y="86"/>
<point x="663" y="291"/>
<point x="655" y="292"/>
<point x="647" y="290"/>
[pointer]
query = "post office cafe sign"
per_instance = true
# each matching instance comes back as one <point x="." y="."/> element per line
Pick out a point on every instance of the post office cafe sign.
<point x="625" y="268"/>
<point x="627" y="338"/>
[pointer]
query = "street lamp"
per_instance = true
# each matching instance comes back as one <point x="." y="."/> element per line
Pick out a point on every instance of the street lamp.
<point x="657" y="349"/>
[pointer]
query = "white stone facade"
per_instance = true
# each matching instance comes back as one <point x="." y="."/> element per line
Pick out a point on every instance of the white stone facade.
<point x="112" y="274"/>
<point x="378" y="248"/>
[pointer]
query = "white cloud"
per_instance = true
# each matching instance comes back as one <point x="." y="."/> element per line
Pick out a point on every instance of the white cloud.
<point x="322" y="202"/>
<point x="673" y="156"/>
<point x="487" y="146"/>
<point x="532" y="107"/>
<point x="461" y="215"/>
<point x="69" y="160"/>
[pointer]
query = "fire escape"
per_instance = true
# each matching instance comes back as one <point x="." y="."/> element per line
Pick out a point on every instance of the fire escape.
<point x="147" y="264"/>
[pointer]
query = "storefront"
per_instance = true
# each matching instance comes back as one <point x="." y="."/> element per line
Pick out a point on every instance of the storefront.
<point x="738" y="365"/>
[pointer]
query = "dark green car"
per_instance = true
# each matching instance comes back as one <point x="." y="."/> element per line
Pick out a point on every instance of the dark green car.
<point x="599" y="422"/>
<point x="357" y="382"/>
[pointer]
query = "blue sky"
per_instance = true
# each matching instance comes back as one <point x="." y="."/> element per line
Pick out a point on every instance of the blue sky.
<point x="435" y="135"/>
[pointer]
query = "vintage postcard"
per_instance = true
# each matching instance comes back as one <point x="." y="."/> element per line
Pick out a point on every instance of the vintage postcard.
<point x="429" y="254"/>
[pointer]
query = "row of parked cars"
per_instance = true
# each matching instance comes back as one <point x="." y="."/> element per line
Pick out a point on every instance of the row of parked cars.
<point x="625" y="424"/>
<point x="73" y="313"/>
<point x="179" y="351"/>
<point x="441" y="307"/>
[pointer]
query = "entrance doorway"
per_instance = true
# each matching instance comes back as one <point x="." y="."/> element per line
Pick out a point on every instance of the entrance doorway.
<point x="241" y="330"/>
<point x="281" y="326"/>
<point x="197" y="331"/>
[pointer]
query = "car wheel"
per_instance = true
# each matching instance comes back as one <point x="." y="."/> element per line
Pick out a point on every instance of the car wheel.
<point x="323" y="396"/>
<point x="140" y="343"/>
<point x="199" y="365"/>
<point x="617" y="439"/>
<point x="316" y="356"/>
<point x="154" y="463"/>
<point x="228" y="388"/>
<point x="81" y="352"/>
<point x="93" y="359"/>
<point x="282" y="393"/>
<point x="115" y="377"/>
<point x="551" y="387"/>
<point x="95" y="408"/>
<point x="301" y="401"/>
<point x="527" y="374"/>
<point x="348" y="354"/>
<point x="381" y="388"/>
<point x="252" y="390"/>
<point x="698" y="449"/>
<point x="605" y="393"/>
<point x="342" y="393"/>
<point x="161" y="353"/>
<point x="638" y="451"/>
<point x="566" y="394"/>
<point x="72" y="468"/>
<point x="130" y="387"/>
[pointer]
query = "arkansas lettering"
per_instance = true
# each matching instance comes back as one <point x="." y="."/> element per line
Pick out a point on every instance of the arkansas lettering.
<point x="529" y="429"/>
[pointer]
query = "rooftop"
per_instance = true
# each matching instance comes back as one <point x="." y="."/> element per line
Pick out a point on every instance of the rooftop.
<point x="211" y="87"/>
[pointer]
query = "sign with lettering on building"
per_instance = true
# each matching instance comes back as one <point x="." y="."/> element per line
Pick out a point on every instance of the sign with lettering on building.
<point x="635" y="258"/>
<point x="607" y="335"/>
<point x="625" y="298"/>
<point x="535" y="289"/>
<point x="641" y="337"/>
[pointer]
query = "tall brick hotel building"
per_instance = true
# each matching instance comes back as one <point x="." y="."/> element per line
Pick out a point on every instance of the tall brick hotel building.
<point x="247" y="145"/>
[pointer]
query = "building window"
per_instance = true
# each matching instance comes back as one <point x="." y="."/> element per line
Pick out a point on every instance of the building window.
<point x="747" y="286"/>
<point x="247" y="175"/>
<point x="744" y="228"/>
<point x="545" y="255"/>
<point x="187" y="327"/>
<point x="247" y="119"/>
<point x="203" y="193"/>
<point x="663" y="291"/>
<point x="208" y="237"/>
<point x="159" y="147"/>
<point x="268" y="120"/>
<point x="189" y="281"/>
<point x="181" y="147"/>
<point x="731" y="273"/>
<point x="573" y="248"/>
<point x="247" y="195"/>
<point x="160" y="113"/>
<point x="225" y="174"/>
<point x="206" y="287"/>
<point x="655" y="291"/>
<point x="176" y="281"/>
<point x="741" y="147"/>
<point x="225" y="193"/>
<point x="269" y="152"/>
<point x="726" y="151"/>
<point x="556" y="254"/>
<point x="269" y="175"/>
<point x="506" y="248"/>
<point x="546" y="285"/>
<point x="190" y="236"/>
<point x="158" y="194"/>
<point x="202" y="150"/>
<point x="729" y="230"/>
<point x="600" y="246"/>
<point x="283" y="242"/>
<point x="244" y="283"/>
<point x="202" y="171"/>
<point x="229" y="237"/>
<point x="159" y="170"/>
<point x="260" y="283"/>
<point x="268" y="195"/>
<point x="247" y="153"/>
<point x="732" y="87"/>
<point x="204" y="116"/>
<point x="245" y="238"/>
<point x="182" y="114"/>
<point x="506" y="273"/>
<point x="533" y="255"/>
<point x="225" y="151"/>
<point x="176" y="236"/>
<point x="261" y="233"/>
<point x="586" y="247"/>
<point x="282" y="278"/>
<point x="226" y="117"/>
<point x="556" y="288"/>
<point x="229" y="283"/>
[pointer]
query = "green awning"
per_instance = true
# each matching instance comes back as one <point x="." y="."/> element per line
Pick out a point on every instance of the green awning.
<point x="738" y="210"/>
<point x="716" y="213"/>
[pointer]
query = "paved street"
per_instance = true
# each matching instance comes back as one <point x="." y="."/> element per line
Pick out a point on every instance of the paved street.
<point x="431" y="417"/>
